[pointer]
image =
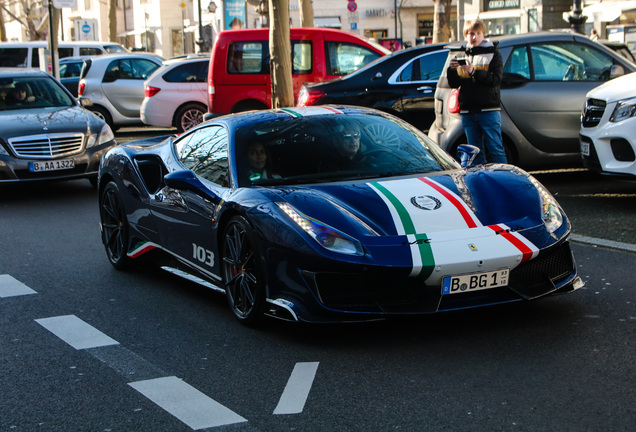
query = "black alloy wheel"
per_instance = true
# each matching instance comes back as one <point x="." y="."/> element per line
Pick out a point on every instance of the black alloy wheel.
<point x="114" y="225"/>
<point x="243" y="276"/>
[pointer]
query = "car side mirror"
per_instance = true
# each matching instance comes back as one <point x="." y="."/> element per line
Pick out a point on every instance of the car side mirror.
<point x="467" y="154"/>
<point x="513" y="80"/>
<point x="616" y="71"/>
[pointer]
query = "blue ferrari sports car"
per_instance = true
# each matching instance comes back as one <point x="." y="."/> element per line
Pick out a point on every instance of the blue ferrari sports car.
<point x="332" y="213"/>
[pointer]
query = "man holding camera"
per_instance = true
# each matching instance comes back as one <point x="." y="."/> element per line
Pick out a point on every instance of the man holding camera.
<point x="478" y="77"/>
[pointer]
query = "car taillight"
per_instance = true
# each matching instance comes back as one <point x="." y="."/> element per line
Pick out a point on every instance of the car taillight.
<point x="80" y="88"/>
<point x="309" y="97"/>
<point x="150" y="91"/>
<point x="453" y="102"/>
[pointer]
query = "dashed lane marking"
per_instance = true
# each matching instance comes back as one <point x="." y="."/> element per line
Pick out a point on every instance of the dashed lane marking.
<point x="186" y="403"/>
<point x="297" y="389"/>
<point x="76" y="332"/>
<point x="10" y="287"/>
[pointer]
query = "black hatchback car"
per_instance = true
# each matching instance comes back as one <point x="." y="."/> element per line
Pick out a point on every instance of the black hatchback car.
<point x="44" y="132"/>
<point x="402" y="84"/>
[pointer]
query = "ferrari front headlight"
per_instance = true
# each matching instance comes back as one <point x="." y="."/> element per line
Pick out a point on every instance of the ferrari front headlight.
<point x="326" y="236"/>
<point x="104" y="136"/>
<point x="550" y="211"/>
<point x="624" y="109"/>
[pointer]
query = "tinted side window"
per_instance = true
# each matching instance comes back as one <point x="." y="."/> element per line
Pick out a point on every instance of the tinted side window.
<point x="65" y="52"/>
<point x="247" y="58"/>
<point x="570" y="61"/>
<point x="189" y="72"/>
<point x="344" y="58"/>
<point x="90" y="51"/>
<point x="205" y="152"/>
<point x="518" y="62"/>
<point x="14" y="57"/>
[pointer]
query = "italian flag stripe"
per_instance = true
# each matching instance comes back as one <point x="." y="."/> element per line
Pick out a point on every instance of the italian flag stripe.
<point x="140" y="249"/>
<point x="525" y="249"/>
<point x="419" y="241"/>
<point x="460" y="206"/>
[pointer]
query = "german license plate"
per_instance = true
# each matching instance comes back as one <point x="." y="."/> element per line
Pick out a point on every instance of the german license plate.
<point x="475" y="281"/>
<point x="53" y="165"/>
<point x="585" y="148"/>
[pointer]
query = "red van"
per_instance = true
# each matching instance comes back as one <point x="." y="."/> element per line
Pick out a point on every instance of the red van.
<point x="239" y="75"/>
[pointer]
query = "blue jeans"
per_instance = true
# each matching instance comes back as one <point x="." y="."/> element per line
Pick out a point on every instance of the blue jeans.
<point x="483" y="130"/>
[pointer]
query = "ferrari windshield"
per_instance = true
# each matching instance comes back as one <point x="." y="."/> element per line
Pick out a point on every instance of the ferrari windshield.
<point x="327" y="148"/>
<point x="32" y="92"/>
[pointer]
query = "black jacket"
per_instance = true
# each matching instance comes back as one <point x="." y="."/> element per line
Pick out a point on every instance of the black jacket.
<point x="479" y="92"/>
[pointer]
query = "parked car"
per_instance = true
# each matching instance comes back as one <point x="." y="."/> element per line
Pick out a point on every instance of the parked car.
<point x="239" y="76"/>
<point x="258" y="205"/>
<point x="44" y="132"/>
<point x="608" y="128"/>
<point x="402" y="83"/>
<point x="70" y="70"/>
<point x="176" y="94"/>
<point x="27" y="54"/>
<point x="113" y="86"/>
<point x="546" y="77"/>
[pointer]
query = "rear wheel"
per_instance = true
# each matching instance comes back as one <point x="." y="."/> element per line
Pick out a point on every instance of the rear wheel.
<point x="103" y="114"/>
<point x="243" y="274"/>
<point x="114" y="224"/>
<point x="189" y="116"/>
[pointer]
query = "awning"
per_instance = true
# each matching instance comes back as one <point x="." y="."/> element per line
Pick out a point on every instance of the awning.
<point x="331" y="22"/>
<point x="607" y="11"/>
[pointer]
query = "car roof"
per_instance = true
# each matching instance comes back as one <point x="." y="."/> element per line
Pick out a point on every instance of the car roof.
<point x="17" y="72"/>
<point x="189" y="58"/>
<point x="109" y="57"/>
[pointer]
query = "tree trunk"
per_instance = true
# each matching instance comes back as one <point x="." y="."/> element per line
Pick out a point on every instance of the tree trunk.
<point x="441" y="21"/>
<point x="306" y="13"/>
<point x="3" y="30"/>
<point x="280" y="54"/>
<point x="112" y="20"/>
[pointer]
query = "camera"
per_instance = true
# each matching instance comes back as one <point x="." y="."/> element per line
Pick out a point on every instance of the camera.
<point x="461" y="61"/>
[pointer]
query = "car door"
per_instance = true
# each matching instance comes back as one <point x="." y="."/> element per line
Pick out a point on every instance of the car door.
<point x="544" y="88"/>
<point x="123" y="83"/>
<point x="417" y="81"/>
<point x="186" y="220"/>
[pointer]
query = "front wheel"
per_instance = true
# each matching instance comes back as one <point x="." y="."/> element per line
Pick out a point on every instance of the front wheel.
<point x="243" y="274"/>
<point x="114" y="224"/>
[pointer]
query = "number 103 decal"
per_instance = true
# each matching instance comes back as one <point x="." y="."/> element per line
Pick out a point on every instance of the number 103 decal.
<point x="203" y="255"/>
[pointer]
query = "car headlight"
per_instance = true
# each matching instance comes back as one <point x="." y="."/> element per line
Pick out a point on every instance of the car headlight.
<point x="550" y="211"/>
<point x="624" y="109"/>
<point x="104" y="136"/>
<point x="326" y="236"/>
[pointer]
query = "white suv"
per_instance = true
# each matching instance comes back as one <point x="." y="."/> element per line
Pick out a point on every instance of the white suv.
<point x="176" y="94"/>
<point x="608" y="127"/>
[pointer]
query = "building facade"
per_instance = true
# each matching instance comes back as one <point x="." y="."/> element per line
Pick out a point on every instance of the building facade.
<point x="174" y="27"/>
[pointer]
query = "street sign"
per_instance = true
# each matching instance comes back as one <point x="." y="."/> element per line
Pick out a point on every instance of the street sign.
<point x="352" y="6"/>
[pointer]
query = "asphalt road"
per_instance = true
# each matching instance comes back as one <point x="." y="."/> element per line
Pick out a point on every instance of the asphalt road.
<point x="84" y="347"/>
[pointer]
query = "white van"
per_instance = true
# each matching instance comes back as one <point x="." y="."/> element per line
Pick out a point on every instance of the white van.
<point x="27" y="54"/>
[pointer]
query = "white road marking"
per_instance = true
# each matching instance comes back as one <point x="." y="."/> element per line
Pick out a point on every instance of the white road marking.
<point x="10" y="287"/>
<point x="76" y="332"/>
<point x="297" y="389"/>
<point x="186" y="403"/>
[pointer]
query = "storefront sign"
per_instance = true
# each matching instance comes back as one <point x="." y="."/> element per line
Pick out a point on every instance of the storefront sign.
<point x="376" y="13"/>
<point x="502" y="4"/>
